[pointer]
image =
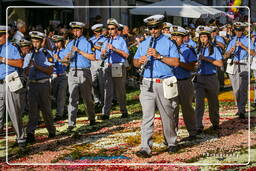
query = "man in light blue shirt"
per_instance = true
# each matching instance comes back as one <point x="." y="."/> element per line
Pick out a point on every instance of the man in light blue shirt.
<point x="97" y="73"/>
<point x="114" y="53"/>
<point x="80" y="53"/>
<point x="158" y="56"/>
<point x="238" y="50"/>
<point x="10" y="61"/>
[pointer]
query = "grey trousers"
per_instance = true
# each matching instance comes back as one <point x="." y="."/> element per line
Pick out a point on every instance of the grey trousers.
<point x="97" y="81"/>
<point x="185" y="98"/>
<point x="13" y="108"/>
<point x="149" y="101"/>
<point x="59" y="89"/>
<point x="119" y="84"/>
<point x="82" y="84"/>
<point x="207" y="86"/>
<point x="39" y="100"/>
<point x="239" y="82"/>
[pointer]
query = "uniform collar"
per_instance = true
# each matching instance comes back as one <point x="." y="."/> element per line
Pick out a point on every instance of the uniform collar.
<point x="116" y="37"/>
<point x="240" y="37"/>
<point x="159" y="37"/>
<point x="81" y="37"/>
<point x="183" y="45"/>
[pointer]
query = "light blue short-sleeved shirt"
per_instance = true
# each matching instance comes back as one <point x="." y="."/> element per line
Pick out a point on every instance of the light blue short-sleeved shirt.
<point x="186" y="56"/>
<point x="41" y="58"/>
<point x="59" y="68"/>
<point x="98" y="42"/>
<point x="8" y="51"/>
<point x="191" y="43"/>
<point x="206" y="67"/>
<point x="220" y="39"/>
<point x="79" y="61"/>
<point x="156" y="68"/>
<point x="119" y="43"/>
<point x="240" y="53"/>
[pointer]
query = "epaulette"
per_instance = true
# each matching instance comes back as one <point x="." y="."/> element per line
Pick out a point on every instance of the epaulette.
<point x="92" y="46"/>
<point x="47" y="54"/>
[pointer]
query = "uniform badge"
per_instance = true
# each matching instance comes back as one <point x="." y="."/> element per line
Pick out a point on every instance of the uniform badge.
<point x="50" y="59"/>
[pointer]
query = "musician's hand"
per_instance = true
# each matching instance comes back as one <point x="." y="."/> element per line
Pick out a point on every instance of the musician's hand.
<point x="110" y="47"/>
<point x="232" y="49"/>
<point x="201" y="57"/>
<point x="32" y="63"/>
<point x="2" y="59"/>
<point x="55" y="56"/>
<point x="197" y="66"/>
<point x="104" y="51"/>
<point x="238" y="43"/>
<point x="154" y="53"/>
<point x="143" y="59"/>
<point x="74" y="48"/>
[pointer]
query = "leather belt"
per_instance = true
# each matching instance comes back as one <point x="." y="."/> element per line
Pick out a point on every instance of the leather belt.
<point x="40" y="81"/>
<point x="80" y="69"/>
<point x="208" y="74"/>
<point x="58" y="75"/>
<point x="239" y="63"/>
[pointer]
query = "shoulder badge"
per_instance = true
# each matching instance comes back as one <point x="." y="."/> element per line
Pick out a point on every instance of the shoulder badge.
<point x="50" y="59"/>
<point x="93" y="49"/>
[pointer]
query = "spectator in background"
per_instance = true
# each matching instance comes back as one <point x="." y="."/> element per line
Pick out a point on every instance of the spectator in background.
<point x="22" y="28"/>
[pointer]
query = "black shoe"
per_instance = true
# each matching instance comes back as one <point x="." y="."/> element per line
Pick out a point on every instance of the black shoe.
<point x="124" y="115"/>
<point x="70" y="128"/>
<point x="143" y="154"/>
<point x="22" y="145"/>
<point x="57" y="118"/>
<point x="200" y="131"/>
<point x="189" y="138"/>
<point x="105" y="117"/>
<point x="172" y="149"/>
<point x="215" y="127"/>
<point x="93" y="122"/>
<point x="114" y="102"/>
<point x="51" y="135"/>
<point x="241" y="115"/>
<point x="30" y="138"/>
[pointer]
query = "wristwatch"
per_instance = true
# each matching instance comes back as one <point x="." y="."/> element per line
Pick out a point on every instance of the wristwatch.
<point x="161" y="57"/>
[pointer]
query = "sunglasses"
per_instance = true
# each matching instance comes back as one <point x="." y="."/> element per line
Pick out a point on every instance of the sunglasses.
<point x="154" y="27"/>
<point x="111" y="28"/>
<point x="201" y="28"/>
<point x="175" y="28"/>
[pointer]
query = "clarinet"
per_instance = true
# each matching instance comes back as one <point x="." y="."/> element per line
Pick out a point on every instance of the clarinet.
<point x="143" y="66"/>
<point x="105" y="56"/>
<point x="73" y="54"/>
<point x="199" y="64"/>
<point x="32" y="58"/>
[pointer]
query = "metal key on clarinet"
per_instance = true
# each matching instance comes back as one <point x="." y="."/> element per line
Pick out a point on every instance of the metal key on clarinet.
<point x="143" y="66"/>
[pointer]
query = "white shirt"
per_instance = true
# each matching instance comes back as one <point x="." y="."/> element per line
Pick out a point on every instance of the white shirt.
<point x="18" y="36"/>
